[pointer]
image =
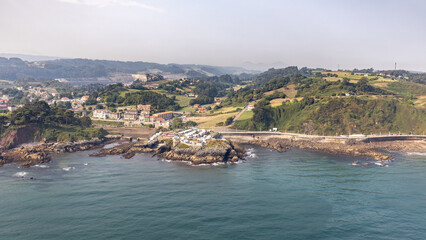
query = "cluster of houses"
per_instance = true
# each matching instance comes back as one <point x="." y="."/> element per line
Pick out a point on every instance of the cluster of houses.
<point x="4" y="99"/>
<point x="192" y="136"/>
<point x="7" y="108"/>
<point x="161" y="119"/>
<point x="4" y="104"/>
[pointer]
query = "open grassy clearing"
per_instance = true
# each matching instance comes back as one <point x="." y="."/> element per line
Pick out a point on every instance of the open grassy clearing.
<point x="123" y="93"/>
<point x="226" y="110"/>
<point x="278" y="101"/>
<point x="246" y="115"/>
<point x="288" y="90"/>
<point x="187" y="109"/>
<point x="420" y="102"/>
<point x="182" y="100"/>
<point x="110" y="123"/>
<point x="211" y="121"/>
<point x="406" y="88"/>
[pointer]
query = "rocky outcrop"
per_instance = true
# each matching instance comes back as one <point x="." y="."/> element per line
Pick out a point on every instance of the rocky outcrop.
<point x="128" y="150"/>
<point x="212" y="152"/>
<point x="34" y="154"/>
<point x="280" y="146"/>
<point x="345" y="148"/>
<point x="224" y="152"/>
<point x="25" y="156"/>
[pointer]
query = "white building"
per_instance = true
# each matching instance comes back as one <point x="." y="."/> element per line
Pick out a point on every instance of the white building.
<point x="100" y="113"/>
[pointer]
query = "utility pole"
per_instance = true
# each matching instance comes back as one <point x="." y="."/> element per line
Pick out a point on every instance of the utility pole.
<point x="395" y="65"/>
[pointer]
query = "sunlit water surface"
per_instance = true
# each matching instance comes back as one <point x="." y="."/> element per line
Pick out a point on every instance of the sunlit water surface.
<point x="292" y="195"/>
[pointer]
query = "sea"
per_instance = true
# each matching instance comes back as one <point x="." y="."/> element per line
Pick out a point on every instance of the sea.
<point x="297" y="194"/>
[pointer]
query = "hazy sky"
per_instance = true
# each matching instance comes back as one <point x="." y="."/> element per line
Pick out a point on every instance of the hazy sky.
<point x="313" y="33"/>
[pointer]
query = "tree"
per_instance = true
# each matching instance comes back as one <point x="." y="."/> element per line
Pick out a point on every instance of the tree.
<point x="3" y="121"/>
<point x="177" y="123"/>
<point x="229" y="120"/>
<point x="86" y="122"/>
<point x="262" y="114"/>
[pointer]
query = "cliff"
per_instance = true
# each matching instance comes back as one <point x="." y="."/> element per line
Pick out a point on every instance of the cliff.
<point x="17" y="137"/>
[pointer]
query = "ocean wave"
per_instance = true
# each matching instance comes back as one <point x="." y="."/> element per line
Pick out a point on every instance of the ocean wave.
<point x="20" y="174"/>
<point x="416" y="153"/>
<point x="251" y="153"/>
<point x="67" y="169"/>
<point x="42" y="166"/>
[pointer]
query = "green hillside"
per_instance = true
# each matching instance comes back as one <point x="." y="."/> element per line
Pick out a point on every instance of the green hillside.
<point x="330" y="116"/>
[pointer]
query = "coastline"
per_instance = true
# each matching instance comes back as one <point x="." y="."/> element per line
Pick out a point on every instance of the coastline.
<point x="28" y="155"/>
<point x="376" y="150"/>
<point x="227" y="151"/>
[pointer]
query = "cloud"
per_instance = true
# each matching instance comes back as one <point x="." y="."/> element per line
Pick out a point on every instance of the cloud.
<point x="109" y="3"/>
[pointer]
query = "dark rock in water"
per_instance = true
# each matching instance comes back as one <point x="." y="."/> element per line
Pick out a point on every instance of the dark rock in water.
<point x="27" y="156"/>
<point x="213" y="152"/>
<point x="347" y="147"/>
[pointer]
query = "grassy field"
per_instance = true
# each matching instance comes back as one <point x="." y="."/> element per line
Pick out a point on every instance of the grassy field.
<point x="420" y="102"/>
<point x="182" y="100"/>
<point x="226" y="110"/>
<point x="246" y="115"/>
<point x="289" y="91"/>
<point x="187" y="109"/>
<point x="278" y="101"/>
<point x="211" y="121"/>
<point x="122" y="93"/>
<point x="354" y="78"/>
<point x="110" y="123"/>
<point x="405" y="88"/>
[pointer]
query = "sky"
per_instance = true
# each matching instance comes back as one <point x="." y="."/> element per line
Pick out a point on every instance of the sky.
<point x="250" y="33"/>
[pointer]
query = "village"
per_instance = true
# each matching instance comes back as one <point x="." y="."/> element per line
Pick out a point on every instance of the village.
<point x="141" y="116"/>
<point x="192" y="136"/>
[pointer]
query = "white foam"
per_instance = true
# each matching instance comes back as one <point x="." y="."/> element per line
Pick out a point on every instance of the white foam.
<point x="86" y="164"/>
<point x="251" y="153"/>
<point x="67" y="169"/>
<point x="416" y="153"/>
<point x="42" y="166"/>
<point x="20" y="174"/>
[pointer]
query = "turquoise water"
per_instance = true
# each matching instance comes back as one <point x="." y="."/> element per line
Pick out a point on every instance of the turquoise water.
<point x="293" y="195"/>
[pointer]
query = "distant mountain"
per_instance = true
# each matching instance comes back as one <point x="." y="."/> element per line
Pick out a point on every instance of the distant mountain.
<point x="262" y="66"/>
<point x="30" y="58"/>
<point x="84" y="71"/>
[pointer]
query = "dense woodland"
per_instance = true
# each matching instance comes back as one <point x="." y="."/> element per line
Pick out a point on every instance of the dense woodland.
<point x="55" y="124"/>
<point x="117" y="95"/>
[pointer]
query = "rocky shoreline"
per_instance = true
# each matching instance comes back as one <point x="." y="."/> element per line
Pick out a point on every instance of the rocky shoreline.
<point x="29" y="155"/>
<point x="370" y="150"/>
<point x="215" y="151"/>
